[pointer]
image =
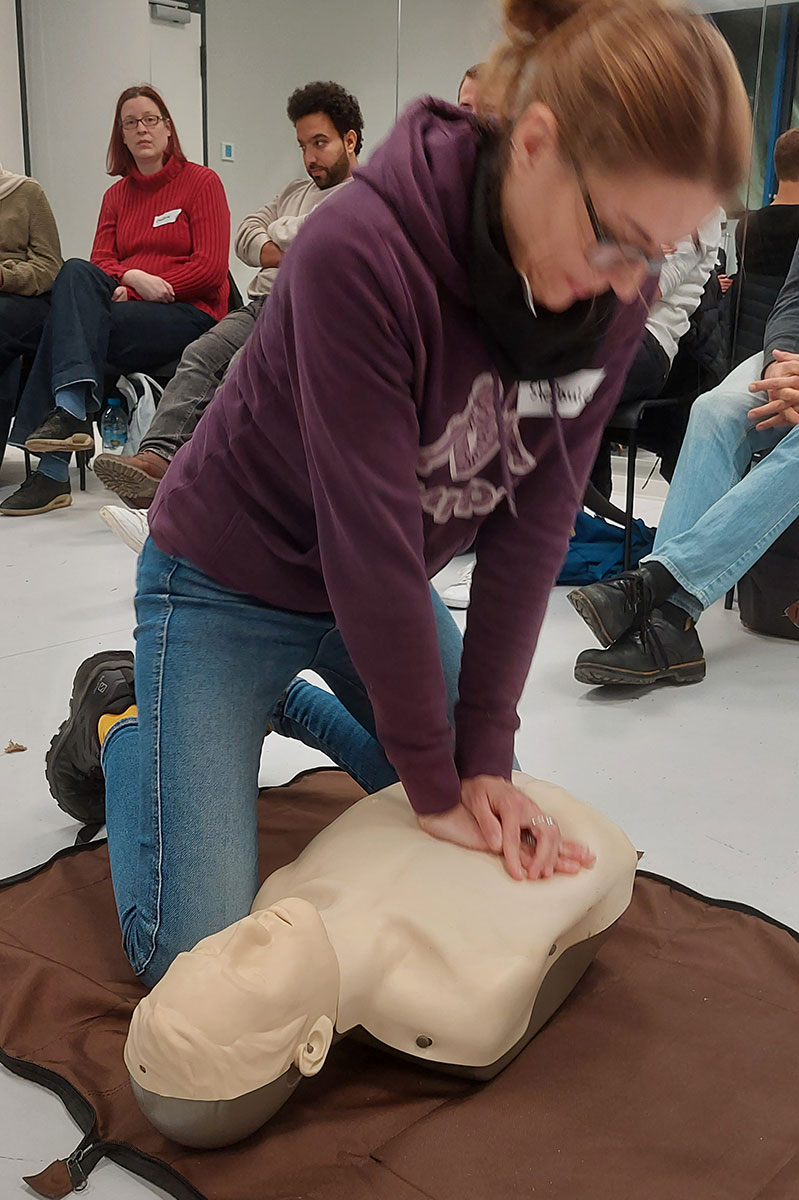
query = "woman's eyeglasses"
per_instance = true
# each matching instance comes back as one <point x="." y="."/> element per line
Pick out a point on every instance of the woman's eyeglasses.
<point x="609" y="254"/>
<point x="149" y="122"/>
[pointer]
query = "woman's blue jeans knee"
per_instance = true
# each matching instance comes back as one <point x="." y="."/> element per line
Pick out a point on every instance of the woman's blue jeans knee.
<point x="182" y="779"/>
<point x="315" y="717"/>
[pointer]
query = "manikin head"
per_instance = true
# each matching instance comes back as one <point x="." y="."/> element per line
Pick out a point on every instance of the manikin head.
<point x="223" y="1039"/>
<point x="625" y="122"/>
<point x="329" y="129"/>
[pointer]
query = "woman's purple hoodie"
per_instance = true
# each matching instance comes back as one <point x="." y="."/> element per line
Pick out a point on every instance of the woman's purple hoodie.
<point x="366" y="436"/>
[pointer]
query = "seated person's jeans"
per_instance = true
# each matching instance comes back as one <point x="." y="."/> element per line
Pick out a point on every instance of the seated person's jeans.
<point x="718" y="520"/>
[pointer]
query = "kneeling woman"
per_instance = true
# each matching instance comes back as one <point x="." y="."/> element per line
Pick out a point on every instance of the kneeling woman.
<point x="444" y="345"/>
<point x="157" y="280"/>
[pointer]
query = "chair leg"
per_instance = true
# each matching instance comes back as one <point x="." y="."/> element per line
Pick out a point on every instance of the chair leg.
<point x="632" y="450"/>
<point x="82" y="457"/>
<point x="729" y="598"/>
<point x="28" y="468"/>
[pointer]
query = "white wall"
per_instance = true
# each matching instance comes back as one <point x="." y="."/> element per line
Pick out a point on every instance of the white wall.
<point x="440" y="40"/>
<point x="11" y="152"/>
<point x="258" y="53"/>
<point x="79" y="55"/>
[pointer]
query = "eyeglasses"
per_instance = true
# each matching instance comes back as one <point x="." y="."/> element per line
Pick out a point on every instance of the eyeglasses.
<point x="609" y="254"/>
<point x="149" y="122"/>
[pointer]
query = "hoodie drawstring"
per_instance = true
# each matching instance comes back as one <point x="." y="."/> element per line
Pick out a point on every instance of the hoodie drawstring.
<point x="499" y="414"/>
<point x="576" y="492"/>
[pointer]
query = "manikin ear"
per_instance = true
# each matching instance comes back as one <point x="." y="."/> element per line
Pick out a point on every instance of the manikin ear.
<point x="311" y="1054"/>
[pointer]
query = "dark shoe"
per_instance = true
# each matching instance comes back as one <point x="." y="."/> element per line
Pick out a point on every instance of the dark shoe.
<point x="135" y="478"/>
<point x="60" y="431"/>
<point x="658" y="650"/>
<point x="38" y="494"/>
<point x="103" y="684"/>
<point x="613" y="607"/>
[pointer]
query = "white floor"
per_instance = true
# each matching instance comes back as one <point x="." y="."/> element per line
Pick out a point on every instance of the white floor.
<point x="703" y="778"/>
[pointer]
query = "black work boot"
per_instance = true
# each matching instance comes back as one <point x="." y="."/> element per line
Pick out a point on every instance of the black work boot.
<point x="103" y="684"/>
<point x="659" y="649"/>
<point x="60" y="431"/>
<point x="614" y="606"/>
<point x="38" y="494"/>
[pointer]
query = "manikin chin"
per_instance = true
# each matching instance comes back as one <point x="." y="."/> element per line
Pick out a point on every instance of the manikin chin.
<point x="379" y="931"/>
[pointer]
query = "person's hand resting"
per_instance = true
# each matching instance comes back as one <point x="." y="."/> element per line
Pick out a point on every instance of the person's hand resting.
<point x="781" y="382"/>
<point x="495" y="816"/>
<point x="149" y="287"/>
<point x="119" y="294"/>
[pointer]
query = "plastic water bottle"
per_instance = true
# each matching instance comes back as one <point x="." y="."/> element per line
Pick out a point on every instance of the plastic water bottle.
<point x="114" y="426"/>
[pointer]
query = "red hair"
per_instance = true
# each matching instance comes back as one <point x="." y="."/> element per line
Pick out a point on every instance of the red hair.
<point x="119" y="160"/>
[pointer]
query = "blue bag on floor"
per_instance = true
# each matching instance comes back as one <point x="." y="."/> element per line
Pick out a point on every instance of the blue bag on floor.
<point x="596" y="549"/>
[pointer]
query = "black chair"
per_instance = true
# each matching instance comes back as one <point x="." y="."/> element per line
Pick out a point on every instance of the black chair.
<point x="751" y="299"/>
<point x="686" y="381"/>
<point x="699" y="365"/>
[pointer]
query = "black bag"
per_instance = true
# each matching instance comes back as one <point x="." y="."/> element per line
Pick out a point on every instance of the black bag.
<point x="771" y="586"/>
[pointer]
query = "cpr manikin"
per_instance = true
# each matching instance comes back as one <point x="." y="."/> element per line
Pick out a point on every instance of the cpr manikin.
<point x="377" y="929"/>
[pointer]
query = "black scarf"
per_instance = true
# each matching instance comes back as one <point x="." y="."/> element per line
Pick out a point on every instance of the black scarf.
<point x="541" y="346"/>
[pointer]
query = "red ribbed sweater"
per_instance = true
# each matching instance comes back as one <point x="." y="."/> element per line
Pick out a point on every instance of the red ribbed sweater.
<point x="189" y="251"/>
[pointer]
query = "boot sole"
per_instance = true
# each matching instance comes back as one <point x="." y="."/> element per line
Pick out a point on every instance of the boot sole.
<point x="84" y="681"/>
<point x="693" y="672"/>
<point x="585" y="609"/>
<point x="78" y="441"/>
<point x="58" y="502"/>
<point x="128" y="481"/>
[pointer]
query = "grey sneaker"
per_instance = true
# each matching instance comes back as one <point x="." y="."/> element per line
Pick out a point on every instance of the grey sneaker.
<point x="60" y="431"/>
<point x="38" y="494"/>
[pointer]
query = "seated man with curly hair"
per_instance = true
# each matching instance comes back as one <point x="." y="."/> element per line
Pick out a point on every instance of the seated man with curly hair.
<point x="329" y="128"/>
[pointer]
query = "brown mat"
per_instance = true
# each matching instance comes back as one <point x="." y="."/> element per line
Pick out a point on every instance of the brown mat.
<point x="671" y="1073"/>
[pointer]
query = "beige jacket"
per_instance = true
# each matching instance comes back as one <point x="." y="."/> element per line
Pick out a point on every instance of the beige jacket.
<point x="30" y="252"/>
<point x="277" y="222"/>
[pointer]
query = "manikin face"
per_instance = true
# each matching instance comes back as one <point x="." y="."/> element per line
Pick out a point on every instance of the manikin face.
<point x="327" y="156"/>
<point x="546" y="202"/>
<point x="232" y="1015"/>
<point x="468" y="94"/>
<point x="147" y="143"/>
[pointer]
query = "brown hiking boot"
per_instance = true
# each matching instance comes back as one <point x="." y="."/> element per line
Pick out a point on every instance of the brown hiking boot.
<point x="134" y="478"/>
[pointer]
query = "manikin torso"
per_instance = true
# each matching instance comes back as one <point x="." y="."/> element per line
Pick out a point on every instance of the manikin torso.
<point x="432" y="949"/>
<point x="437" y="942"/>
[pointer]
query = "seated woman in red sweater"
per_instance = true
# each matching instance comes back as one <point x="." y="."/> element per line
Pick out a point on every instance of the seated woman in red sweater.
<point x="157" y="280"/>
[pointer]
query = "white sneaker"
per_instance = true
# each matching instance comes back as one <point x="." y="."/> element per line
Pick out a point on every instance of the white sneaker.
<point x="130" y="524"/>
<point x="457" y="594"/>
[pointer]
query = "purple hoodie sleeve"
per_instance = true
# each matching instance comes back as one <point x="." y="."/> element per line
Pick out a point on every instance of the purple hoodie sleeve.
<point x="518" y="560"/>
<point x="352" y="376"/>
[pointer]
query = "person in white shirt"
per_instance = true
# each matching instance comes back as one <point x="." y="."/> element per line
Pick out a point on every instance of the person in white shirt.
<point x="685" y="272"/>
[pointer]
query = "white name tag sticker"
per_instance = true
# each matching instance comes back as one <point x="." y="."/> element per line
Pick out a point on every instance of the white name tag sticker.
<point x="167" y="218"/>
<point x="574" y="392"/>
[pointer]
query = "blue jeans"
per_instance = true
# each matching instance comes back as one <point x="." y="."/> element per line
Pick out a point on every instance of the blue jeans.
<point x="717" y="520"/>
<point x="182" y="779"/>
<point x="85" y="330"/>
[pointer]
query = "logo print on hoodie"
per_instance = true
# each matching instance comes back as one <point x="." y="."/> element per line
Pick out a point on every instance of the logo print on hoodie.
<point x="473" y="438"/>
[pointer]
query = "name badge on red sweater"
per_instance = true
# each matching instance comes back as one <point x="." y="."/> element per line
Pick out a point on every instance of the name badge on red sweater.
<point x="167" y="218"/>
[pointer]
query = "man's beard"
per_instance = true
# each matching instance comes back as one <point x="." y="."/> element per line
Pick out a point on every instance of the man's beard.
<point x="334" y="175"/>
